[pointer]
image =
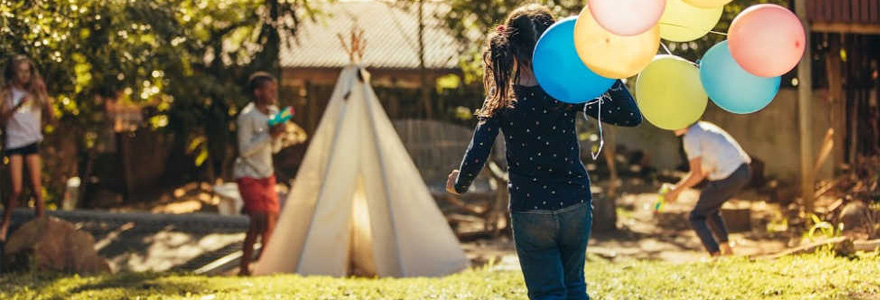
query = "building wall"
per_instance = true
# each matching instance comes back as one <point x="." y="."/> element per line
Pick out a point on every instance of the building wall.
<point x="771" y="135"/>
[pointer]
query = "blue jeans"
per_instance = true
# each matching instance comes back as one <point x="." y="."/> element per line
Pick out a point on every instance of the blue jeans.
<point x="552" y="246"/>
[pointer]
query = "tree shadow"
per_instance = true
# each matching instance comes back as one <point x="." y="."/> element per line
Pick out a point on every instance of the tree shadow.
<point x="628" y="238"/>
<point x="208" y="257"/>
<point x="142" y="284"/>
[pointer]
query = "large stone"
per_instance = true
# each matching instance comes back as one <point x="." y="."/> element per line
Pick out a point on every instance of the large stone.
<point x="51" y="244"/>
<point x="854" y="215"/>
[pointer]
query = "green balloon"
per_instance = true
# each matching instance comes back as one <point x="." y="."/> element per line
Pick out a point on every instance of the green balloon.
<point x="669" y="93"/>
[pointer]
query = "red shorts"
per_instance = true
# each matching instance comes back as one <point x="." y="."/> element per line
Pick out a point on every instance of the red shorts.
<point x="259" y="194"/>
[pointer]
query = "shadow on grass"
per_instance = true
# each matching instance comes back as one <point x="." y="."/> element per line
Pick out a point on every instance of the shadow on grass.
<point x="123" y="285"/>
<point x="143" y="284"/>
<point x="627" y="237"/>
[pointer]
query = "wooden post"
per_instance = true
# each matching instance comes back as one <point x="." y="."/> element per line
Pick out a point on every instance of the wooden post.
<point x="312" y="107"/>
<point x="805" y="111"/>
<point x="424" y="91"/>
<point x="836" y="100"/>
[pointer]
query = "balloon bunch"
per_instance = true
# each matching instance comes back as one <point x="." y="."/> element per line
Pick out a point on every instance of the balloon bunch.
<point x="577" y="59"/>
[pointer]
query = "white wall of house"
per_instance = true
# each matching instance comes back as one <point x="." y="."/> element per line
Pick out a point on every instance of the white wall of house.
<point x="770" y="135"/>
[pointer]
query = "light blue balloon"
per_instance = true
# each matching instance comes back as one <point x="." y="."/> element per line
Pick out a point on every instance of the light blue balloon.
<point x="560" y="71"/>
<point x="733" y="88"/>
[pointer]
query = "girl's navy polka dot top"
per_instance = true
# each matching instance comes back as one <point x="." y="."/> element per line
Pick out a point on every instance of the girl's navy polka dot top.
<point x="543" y="154"/>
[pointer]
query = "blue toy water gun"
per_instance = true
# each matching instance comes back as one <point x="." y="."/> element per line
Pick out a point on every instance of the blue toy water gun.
<point x="661" y="197"/>
<point x="281" y="117"/>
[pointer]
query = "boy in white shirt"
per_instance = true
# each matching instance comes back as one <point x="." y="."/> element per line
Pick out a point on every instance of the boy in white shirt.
<point x="254" y="172"/>
<point x="713" y="154"/>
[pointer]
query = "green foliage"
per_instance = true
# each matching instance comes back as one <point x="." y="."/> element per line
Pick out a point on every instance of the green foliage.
<point x="821" y="229"/>
<point x="186" y="58"/>
<point x="816" y="276"/>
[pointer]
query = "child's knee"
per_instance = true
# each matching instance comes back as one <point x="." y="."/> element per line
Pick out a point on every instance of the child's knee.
<point x="259" y="222"/>
<point x="697" y="216"/>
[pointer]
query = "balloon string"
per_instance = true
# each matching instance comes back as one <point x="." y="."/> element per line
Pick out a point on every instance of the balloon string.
<point x="718" y="33"/>
<point x="666" y="48"/>
<point x="670" y="53"/>
<point x="596" y="154"/>
<point x="686" y="27"/>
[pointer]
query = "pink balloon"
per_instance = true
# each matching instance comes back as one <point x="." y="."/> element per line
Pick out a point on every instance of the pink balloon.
<point x="627" y="17"/>
<point x="767" y="40"/>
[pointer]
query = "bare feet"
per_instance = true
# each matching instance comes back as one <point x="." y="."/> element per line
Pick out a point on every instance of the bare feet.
<point x="726" y="250"/>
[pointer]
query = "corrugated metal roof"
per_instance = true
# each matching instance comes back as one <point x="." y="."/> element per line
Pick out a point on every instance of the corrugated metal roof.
<point x="844" y="11"/>
<point x="391" y="34"/>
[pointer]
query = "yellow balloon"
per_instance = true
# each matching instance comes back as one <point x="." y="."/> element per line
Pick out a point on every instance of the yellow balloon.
<point x="682" y="22"/>
<point x="669" y="93"/>
<point x="707" y="3"/>
<point x="610" y="55"/>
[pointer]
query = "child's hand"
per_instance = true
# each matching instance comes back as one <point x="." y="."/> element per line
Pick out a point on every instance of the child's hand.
<point x="672" y="195"/>
<point x="450" y="182"/>
<point x="277" y="130"/>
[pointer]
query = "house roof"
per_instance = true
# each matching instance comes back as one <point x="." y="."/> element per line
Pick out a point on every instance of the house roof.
<point x="390" y="31"/>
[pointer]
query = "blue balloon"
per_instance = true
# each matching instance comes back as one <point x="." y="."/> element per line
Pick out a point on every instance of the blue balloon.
<point x="560" y="71"/>
<point x="733" y="88"/>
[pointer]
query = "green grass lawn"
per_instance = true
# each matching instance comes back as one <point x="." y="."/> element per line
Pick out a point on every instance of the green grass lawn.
<point x="818" y="276"/>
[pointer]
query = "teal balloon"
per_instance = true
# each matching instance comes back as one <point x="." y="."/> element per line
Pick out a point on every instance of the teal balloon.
<point x="733" y="88"/>
<point x="560" y="71"/>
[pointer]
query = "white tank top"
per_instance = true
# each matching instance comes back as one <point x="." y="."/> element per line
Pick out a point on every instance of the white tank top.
<point x="23" y="127"/>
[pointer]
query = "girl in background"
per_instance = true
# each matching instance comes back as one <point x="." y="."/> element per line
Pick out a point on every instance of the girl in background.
<point x="24" y="105"/>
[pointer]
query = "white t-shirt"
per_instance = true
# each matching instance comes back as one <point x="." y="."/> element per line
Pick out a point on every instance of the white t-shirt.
<point x="255" y="144"/>
<point x="721" y="155"/>
<point x="23" y="128"/>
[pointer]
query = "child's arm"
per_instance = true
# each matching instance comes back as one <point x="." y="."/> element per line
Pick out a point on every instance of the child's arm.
<point x="694" y="177"/>
<point x="250" y="142"/>
<point x="5" y="111"/>
<point x="49" y="111"/>
<point x="4" y="107"/>
<point x="618" y="107"/>
<point x="477" y="153"/>
<point x="694" y="150"/>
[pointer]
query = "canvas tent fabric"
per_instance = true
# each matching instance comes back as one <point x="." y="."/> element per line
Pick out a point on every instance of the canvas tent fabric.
<point x="358" y="204"/>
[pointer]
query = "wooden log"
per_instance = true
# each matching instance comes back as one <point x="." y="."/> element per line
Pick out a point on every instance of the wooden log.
<point x="841" y="245"/>
<point x="825" y="189"/>
<point x="872" y="245"/>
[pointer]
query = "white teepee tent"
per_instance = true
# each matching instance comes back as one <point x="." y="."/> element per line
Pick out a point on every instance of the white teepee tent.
<point x="358" y="204"/>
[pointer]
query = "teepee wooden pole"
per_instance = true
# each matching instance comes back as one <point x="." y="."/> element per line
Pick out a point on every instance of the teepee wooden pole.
<point x="355" y="45"/>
